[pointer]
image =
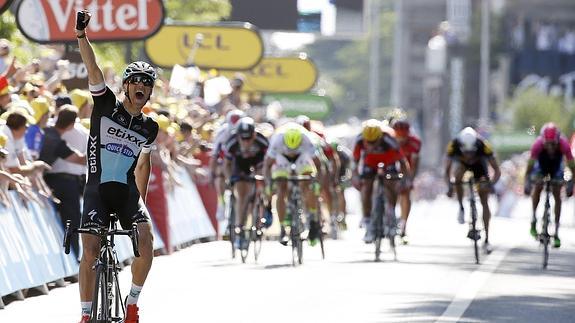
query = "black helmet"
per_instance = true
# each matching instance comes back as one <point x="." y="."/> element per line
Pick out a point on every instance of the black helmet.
<point x="139" y="68"/>
<point x="246" y="128"/>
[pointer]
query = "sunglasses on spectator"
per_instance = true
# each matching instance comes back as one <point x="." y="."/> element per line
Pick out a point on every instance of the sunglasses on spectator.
<point x="147" y="81"/>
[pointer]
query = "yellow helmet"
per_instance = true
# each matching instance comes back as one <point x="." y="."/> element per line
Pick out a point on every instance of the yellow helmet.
<point x="293" y="138"/>
<point x="371" y="130"/>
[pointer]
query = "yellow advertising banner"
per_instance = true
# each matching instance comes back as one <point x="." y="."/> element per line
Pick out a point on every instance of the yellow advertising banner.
<point x="223" y="46"/>
<point x="280" y="75"/>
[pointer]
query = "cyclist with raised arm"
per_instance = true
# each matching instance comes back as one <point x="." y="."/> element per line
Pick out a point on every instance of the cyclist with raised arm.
<point x="470" y="152"/>
<point x="119" y="146"/>
<point x="244" y="152"/>
<point x="290" y="144"/>
<point x="548" y="153"/>
<point x="410" y="145"/>
<point x="376" y="144"/>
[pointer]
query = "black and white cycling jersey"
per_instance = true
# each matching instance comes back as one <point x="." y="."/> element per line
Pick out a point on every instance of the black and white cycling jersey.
<point x="116" y="139"/>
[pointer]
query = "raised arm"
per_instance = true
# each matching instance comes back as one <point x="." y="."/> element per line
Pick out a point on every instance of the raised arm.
<point x="95" y="75"/>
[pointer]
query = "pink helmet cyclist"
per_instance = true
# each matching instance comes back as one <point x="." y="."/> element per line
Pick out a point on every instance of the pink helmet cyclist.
<point x="550" y="133"/>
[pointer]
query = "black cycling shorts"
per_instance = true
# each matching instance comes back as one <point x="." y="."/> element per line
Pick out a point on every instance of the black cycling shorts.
<point x="479" y="169"/>
<point x="370" y="172"/>
<point x="123" y="200"/>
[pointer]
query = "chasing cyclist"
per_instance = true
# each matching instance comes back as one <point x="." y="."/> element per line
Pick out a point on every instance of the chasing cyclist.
<point x="410" y="145"/>
<point x="376" y="144"/>
<point x="121" y="138"/>
<point x="289" y="145"/>
<point x="217" y="156"/>
<point x="469" y="152"/>
<point x="244" y="152"/>
<point x="330" y="165"/>
<point x="547" y="155"/>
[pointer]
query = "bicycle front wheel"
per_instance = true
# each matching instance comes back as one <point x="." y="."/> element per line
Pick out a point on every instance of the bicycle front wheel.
<point x="475" y="232"/>
<point x="377" y="226"/>
<point x="545" y="238"/>
<point x="257" y="227"/>
<point x="296" y="241"/>
<point x="100" y="312"/>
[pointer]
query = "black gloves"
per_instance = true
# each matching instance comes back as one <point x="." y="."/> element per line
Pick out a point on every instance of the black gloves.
<point x="82" y="19"/>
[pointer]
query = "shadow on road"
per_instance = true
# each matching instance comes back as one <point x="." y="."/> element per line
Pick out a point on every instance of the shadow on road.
<point x="511" y="308"/>
<point x="528" y="261"/>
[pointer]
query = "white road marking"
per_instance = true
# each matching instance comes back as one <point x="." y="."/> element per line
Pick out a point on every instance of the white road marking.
<point x="475" y="282"/>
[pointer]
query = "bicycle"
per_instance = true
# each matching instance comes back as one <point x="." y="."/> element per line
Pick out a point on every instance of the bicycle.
<point x="384" y="227"/>
<point x="254" y="232"/>
<point x="544" y="236"/>
<point x="297" y="230"/>
<point x="474" y="233"/>
<point x="107" y="301"/>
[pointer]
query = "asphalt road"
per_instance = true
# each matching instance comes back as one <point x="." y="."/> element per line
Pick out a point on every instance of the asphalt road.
<point x="434" y="279"/>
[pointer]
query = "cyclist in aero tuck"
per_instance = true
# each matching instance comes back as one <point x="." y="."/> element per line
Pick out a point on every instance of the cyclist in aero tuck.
<point x="119" y="147"/>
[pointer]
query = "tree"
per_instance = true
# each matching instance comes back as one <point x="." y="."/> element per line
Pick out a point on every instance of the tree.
<point x="344" y="67"/>
<point x="532" y="109"/>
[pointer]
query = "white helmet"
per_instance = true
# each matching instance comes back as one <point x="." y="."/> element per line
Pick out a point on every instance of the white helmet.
<point x="468" y="139"/>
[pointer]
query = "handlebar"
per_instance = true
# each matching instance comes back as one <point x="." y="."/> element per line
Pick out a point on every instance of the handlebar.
<point x="102" y="233"/>
<point x="383" y="172"/>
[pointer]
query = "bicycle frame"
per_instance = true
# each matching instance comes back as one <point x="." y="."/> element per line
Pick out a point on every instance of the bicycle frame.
<point x="384" y="226"/>
<point x="107" y="302"/>
<point x="254" y="202"/>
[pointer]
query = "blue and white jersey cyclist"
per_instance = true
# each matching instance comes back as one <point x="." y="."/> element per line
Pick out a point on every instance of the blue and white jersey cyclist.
<point x="119" y="167"/>
<point x="117" y="138"/>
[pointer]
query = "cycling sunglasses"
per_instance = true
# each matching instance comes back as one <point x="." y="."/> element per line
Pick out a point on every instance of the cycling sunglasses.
<point x="146" y="80"/>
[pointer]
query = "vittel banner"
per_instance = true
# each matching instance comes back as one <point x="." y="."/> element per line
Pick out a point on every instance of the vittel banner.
<point x="53" y="21"/>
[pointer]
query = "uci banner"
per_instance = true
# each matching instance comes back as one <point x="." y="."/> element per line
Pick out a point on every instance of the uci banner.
<point x="52" y="21"/>
<point x="226" y="46"/>
<point x="4" y="5"/>
<point x="280" y="75"/>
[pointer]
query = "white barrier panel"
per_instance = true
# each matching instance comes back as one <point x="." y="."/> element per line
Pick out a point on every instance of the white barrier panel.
<point x="31" y="235"/>
<point x="30" y="246"/>
<point x="187" y="215"/>
<point x="124" y="245"/>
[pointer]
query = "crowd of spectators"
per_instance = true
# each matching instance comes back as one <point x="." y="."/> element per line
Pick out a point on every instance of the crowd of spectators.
<point x="44" y="129"/>
<point x="542" y="48"/>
